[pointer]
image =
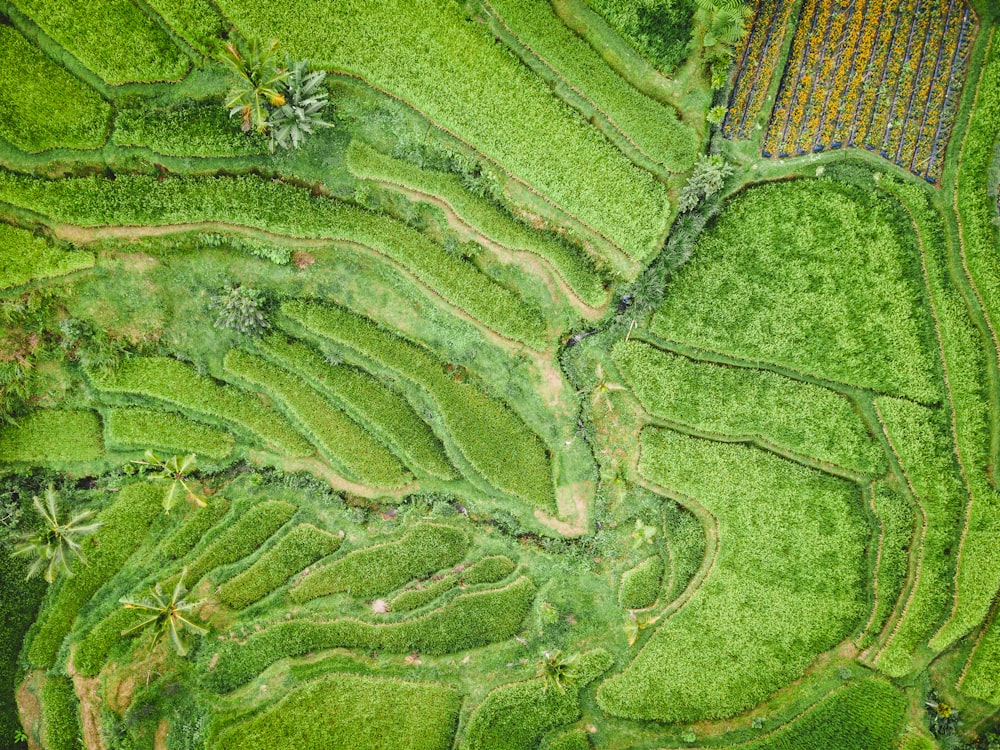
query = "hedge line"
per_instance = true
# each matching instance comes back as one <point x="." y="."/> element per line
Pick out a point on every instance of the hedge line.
<point x="52" y="437"/>
<point x="413" y="50"/>
<point x="113" y="38"/>
<point x="640" y="586"/>
<point x="922" y="439"/>
<point x="61" y="714"/>
<point x="138" y="429"/>
<point x="125" y="524"/>
<point x="514" y="717"/>
<point x="377" y="570"/>
<point x="240" y="538"/>
<point x="340" y="440"/>
<point x="24" y="257"/>
<point x="812" y="275"/>
<point x="573" y="265"/>
<point x="386" y="413"/>
<point x="276" y="207"/>
<point x="785" y="584"/>
<point x="203" y="130"/>
<point x="467" y="621"/>
<point x="169" y="381"/>
<point x="653" y="127"/>
<point x="302" y="546"/>
<point x="490" y="436"/>
<point x="356" y="711"/>
<point x="736" y="401"/>
<point x="195" y="525"/>
<point x="42" y="106"/>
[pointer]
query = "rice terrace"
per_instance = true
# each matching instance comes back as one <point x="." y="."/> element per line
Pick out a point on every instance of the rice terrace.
<point x="499" y="374"/>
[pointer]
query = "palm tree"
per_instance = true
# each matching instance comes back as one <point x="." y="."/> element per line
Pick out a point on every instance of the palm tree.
<point x="302" y="113"/>
<point x="174" y="470"/>
<point x="256" y="81"/>
<point x="167" y="615"/>
<point x="58" y="541"/>
<point x="557" y="669"/>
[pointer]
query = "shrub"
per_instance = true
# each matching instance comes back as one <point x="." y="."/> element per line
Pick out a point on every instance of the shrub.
<point x="134" y="429"/>
<point x="240" y="538"/>
<point x="386" y="413"/>
<point x="572" y="264"/>
<point x="114" y="38"/>
<point x="640" y="585"/>
<point x="747" y="403"/>
<point x="377" y="570"/>
<point x="124" y="525"/>
<point x="660" y="30"/>
<point x="301" y="114"/>
<point x="575" y="739"/>
<point x="784" y="585"/>
<point x="324" y="714"/>
<point x="466" y="621"/>
<point x="339" y="439"/>
<point x="710" y="172"/>
<point x="43" y="106"/>
<point x="240" y="309"/>
<point x="168" y="381"/>
<point x="53" y="437"/>
<point x="60" y="714"/>
<point x="490" y="436"/>
<point x="302" y="546"/>
<point x="277" y="254"/>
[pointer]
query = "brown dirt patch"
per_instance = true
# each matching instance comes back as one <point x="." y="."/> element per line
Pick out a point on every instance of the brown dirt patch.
<point x="29" y="708"/>
<point x="160" y="739"/>
<point x="88" y="691"/>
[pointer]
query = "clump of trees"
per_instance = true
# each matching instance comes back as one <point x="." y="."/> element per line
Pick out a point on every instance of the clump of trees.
<point x="707" y="179"/>
<point x="285" y="101"/>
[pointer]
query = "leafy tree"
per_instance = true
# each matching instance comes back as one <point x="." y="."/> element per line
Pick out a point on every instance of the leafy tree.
<point x="256" y="83"/>
<point x="710" y="173"/>
<point x="302" y="112"/>
<point x="240" y="308"/>
<point x="52" y="547"/>
<point x="557" y="669"/>
<point x="176" y="471"/>
<point x="168" y="616"/>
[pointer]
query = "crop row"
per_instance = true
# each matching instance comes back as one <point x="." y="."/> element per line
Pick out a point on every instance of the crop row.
<point x="168" y="381"/>
<point x="24" y="257"/>
<point x="201" y="130"/>
<point x="785" y="585"/>
<point x="736" y="402"/>
<point x="921" y="439"/>
<point x="814" y="276"/>
<point x="52" y="438"/>
<point x="302" y="546"/>
<point x="467" y="621"/>
<point x="193" y="528"/>
<point x="640" y="585"/>
<point x="137" y="200"/>
<point x="42" y="106"/>
<point x="340" y="440"/>
<point x="377" y="570"/>
<point x="124" y="527"/>
<point x="139" y="429"/>
<point x="324" y="714"/>
<point x="381" y="410"/>
<point x="982" y="675"/>
<point x="60" y="714"/>
<point x="491" y="437"/>
<point x="487" y="570"/>
<point x="757" y="60"/>
<point x="652" y="128"/>
<point x="113" y="38"/>
<point x="572" y="264"/>
<point x="881" y="74"/>
<point x="427" y="53"/>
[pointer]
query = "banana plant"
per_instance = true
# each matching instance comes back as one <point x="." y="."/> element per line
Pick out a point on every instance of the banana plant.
<point x="302" y="112"/>
<point x="256" y="83"/>
<point x="176" y="470"/>
<point x="58" y="541"/>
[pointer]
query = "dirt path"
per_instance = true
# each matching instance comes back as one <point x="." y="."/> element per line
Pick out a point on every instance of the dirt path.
<point x="88" y="691"/>
<point x="29" y="707"/>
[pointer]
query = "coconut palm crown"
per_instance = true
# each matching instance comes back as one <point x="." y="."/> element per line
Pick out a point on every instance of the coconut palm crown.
<point x="58" y="542"/>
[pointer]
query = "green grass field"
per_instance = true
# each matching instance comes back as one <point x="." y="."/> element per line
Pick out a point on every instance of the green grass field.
<point x="391" y="374"/>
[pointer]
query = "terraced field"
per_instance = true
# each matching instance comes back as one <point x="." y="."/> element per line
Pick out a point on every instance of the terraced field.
<point x="454" y="422"/>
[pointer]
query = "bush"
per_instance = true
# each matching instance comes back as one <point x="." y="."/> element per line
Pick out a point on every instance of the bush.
<point x="490" y="436"/>
<point x="640" y="585"/>
<point x="784" y="585"/>
<point x="466" y="621"/>
<point x="24" y="257"/>
<point x="42" y="105"/>
<point x="341" y="441"/>
<point x="240" y="309"/>
<point x="53" y="437"/>
<point x="325" y="714"/>
<point x="125" y="523"/>
<point x="660" y="30"/>
<point x="374" y="571"/>
<point x="166" y="380"/>
<point x="748" y="403"/>
<point x="302" y="546"/>
<point x="572" y="264"/>
<point x="60" y="714"/>
<point x="139" y="429"/>
<point x="240" y="538"/>
<point x="385" y="412"/>
<point x="114" y="38"/>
